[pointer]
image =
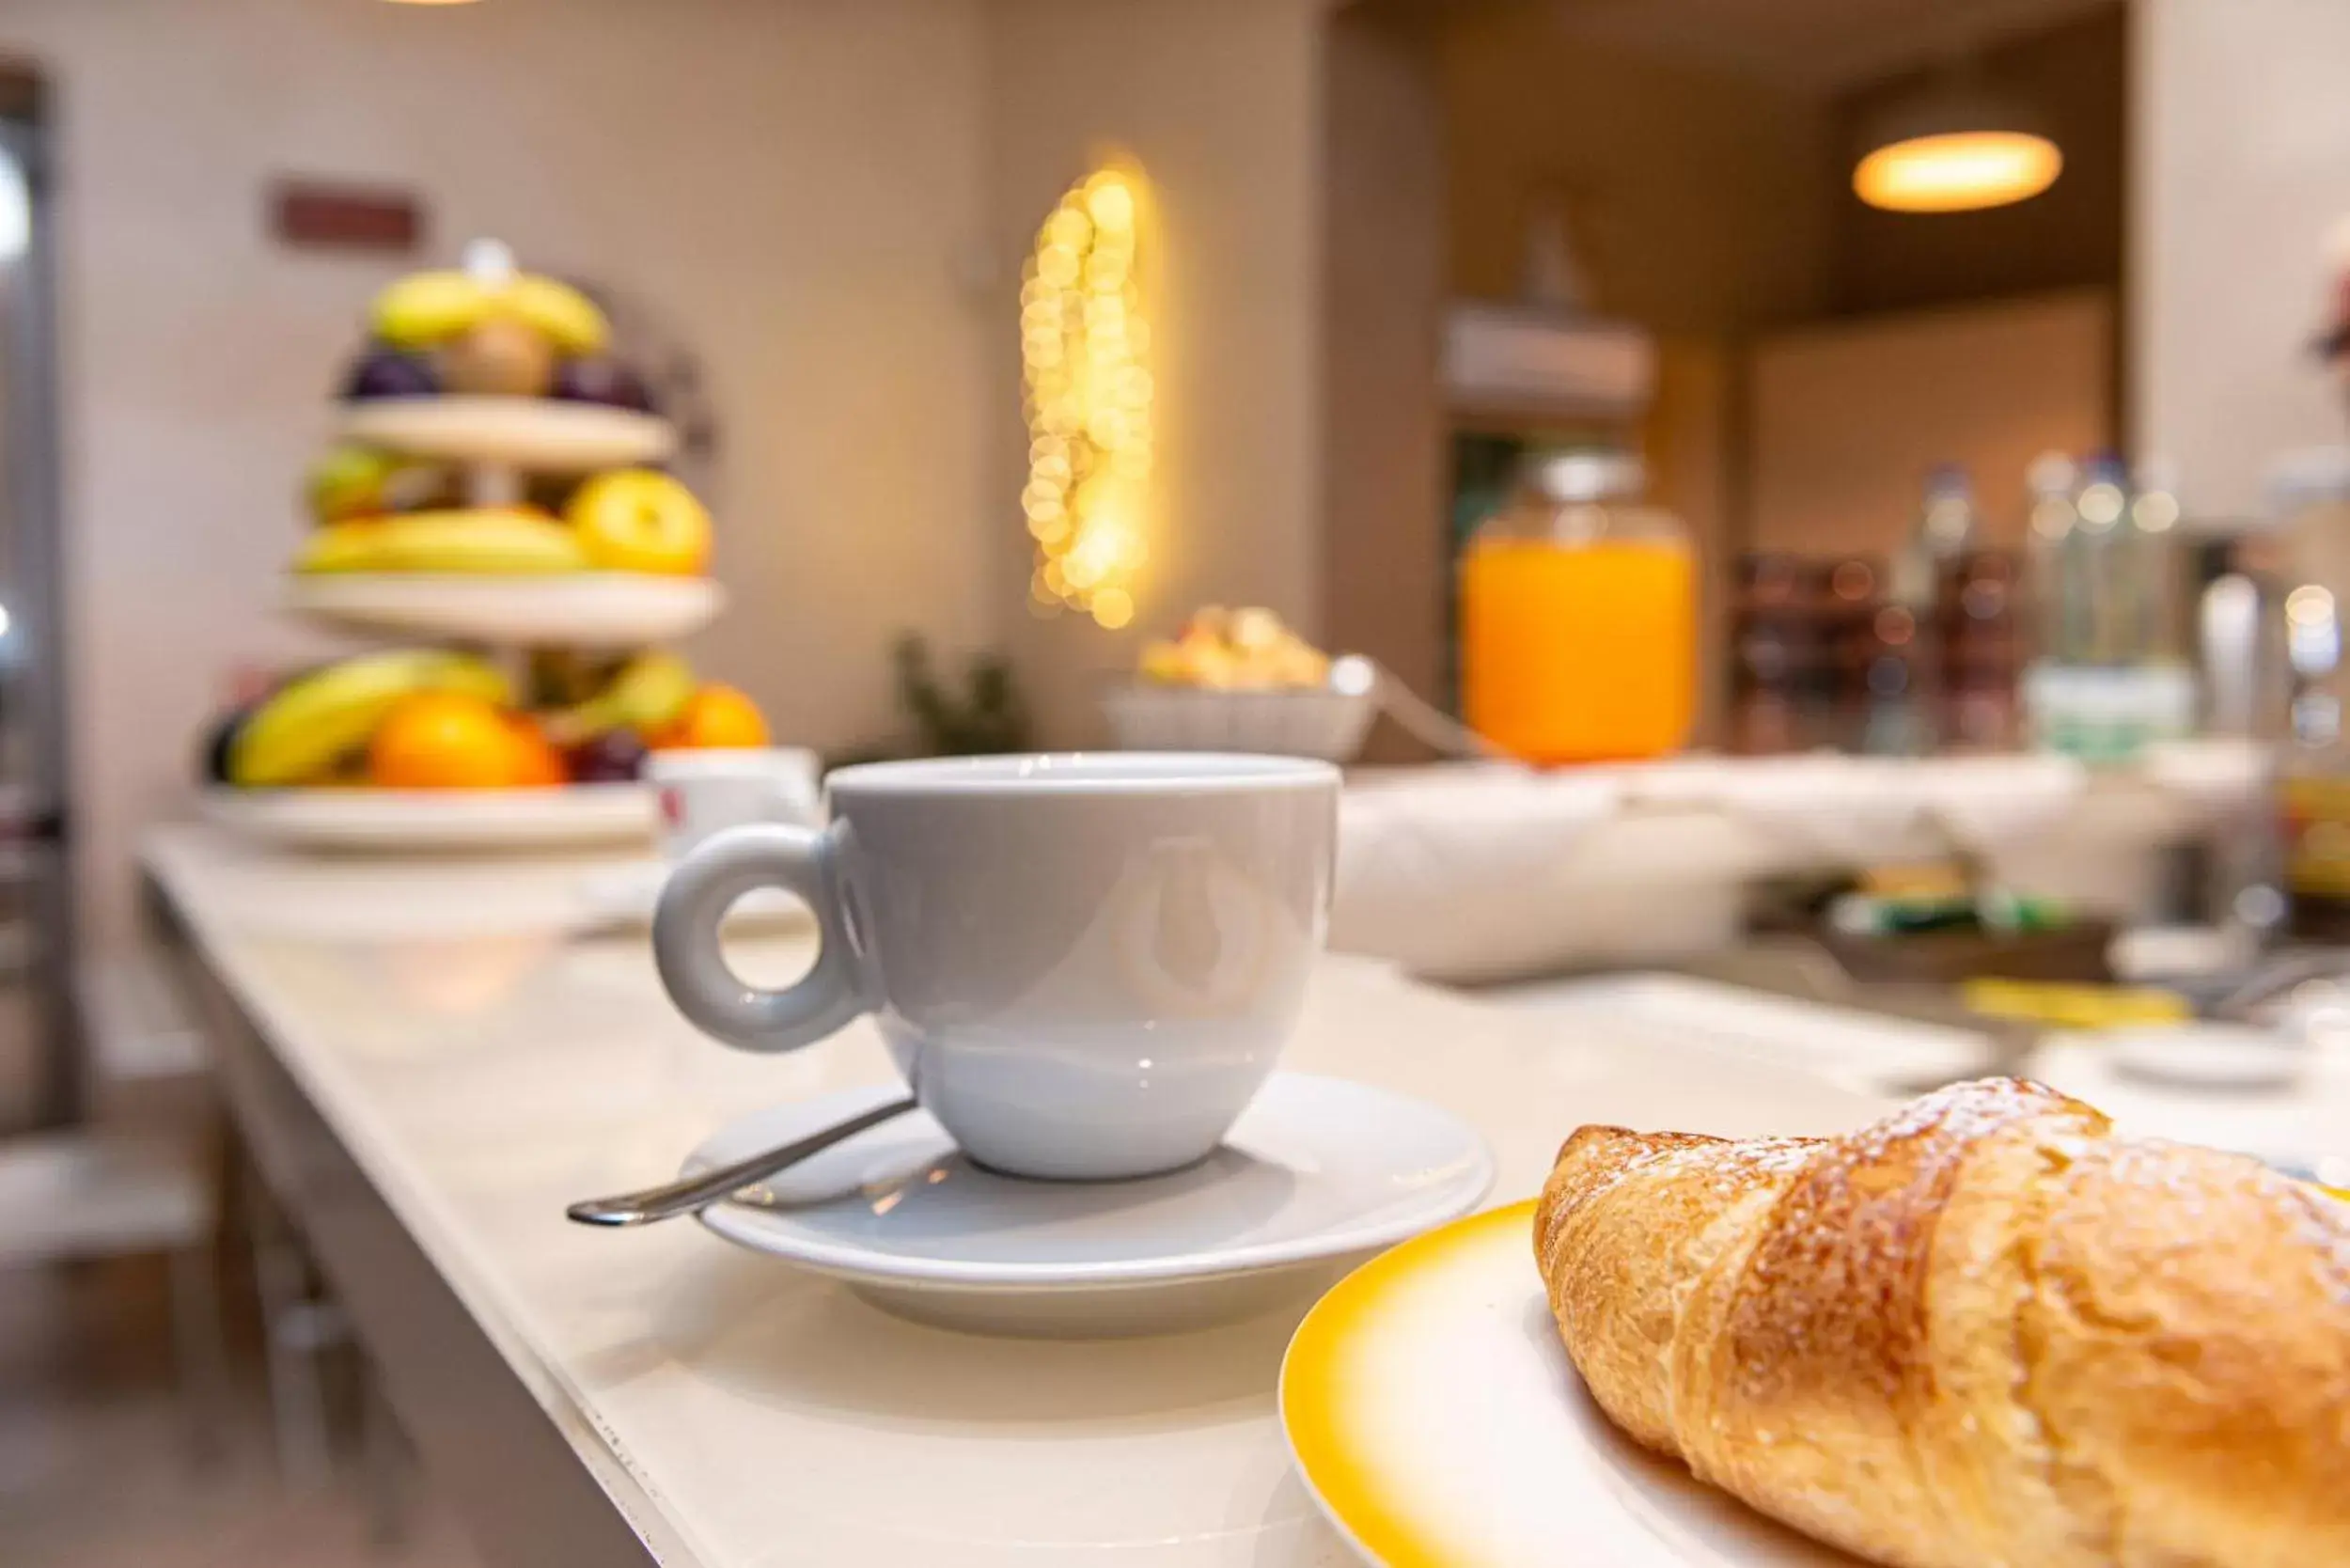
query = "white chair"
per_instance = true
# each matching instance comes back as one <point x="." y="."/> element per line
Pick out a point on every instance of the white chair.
<point x="150" y="1066"/>
<point x="87" y="1194"/>
<point x="121" y="1185"/>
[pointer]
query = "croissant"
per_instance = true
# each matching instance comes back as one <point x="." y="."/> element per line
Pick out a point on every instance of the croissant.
<point x="1985" y="1332"/>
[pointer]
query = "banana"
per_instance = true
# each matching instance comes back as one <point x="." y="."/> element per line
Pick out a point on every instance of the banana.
<point x="568" y="318"/>
<point x="425" y="309"/>
<point x="481" y="541"/>
<point x="647" y="694"/>
<point x="302" y="729"/>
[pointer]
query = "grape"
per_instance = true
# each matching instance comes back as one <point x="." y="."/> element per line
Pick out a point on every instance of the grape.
<point x="599" y="380"/>
<point x="615" y="757"/>
<point x="389" y="373"/>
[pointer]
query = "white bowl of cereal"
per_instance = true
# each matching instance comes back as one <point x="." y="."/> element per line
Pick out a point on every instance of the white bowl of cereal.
<point x="1241" y="680"/>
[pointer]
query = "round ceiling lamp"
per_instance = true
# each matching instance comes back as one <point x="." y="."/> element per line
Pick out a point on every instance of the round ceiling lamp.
<point x="1954" y="148"/>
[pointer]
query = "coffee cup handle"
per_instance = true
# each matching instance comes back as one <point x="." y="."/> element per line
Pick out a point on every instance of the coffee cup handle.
<point x="685" y="949"/>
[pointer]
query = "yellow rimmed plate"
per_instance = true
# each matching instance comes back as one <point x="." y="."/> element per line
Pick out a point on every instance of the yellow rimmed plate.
<point x="1438" y="1423"/>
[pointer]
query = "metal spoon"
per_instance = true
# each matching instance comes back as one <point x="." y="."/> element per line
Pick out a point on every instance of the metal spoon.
<point x="692" y="1194"/>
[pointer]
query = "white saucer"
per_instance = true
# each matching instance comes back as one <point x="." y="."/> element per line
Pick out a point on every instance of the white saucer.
<point x="1318" y="1173"/>
<point x="624" y="896"/>
<point x="2209" y="1055"/>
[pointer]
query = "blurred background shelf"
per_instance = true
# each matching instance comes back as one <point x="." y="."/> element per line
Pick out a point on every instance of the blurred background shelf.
<point x="601" y="609"/>
<point x="534" y="433"/>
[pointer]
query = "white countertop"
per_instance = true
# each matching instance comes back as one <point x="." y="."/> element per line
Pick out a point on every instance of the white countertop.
<point x="483" y="1064"/>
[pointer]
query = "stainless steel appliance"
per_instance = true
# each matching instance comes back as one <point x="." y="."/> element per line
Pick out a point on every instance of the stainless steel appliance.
<point x="39" y="1033"/>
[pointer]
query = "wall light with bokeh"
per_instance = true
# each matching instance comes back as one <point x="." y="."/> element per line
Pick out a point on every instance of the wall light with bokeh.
<point x="1085" y="369"/>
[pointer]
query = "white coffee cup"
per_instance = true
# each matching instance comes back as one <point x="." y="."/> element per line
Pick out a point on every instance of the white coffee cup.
<point x="702" y="793"/>
<point x="1085" y="965"/>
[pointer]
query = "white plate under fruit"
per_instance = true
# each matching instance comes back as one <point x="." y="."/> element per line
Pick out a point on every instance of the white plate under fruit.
<point x="597" y="609"/>
<point x="1437" y="1419"/>
<point x="385" y="820"/>
<point x="539" y="434"/>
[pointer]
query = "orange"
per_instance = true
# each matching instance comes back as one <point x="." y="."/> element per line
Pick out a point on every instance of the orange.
<point x="450" y="741"/>
<point x="537" y="764"/>
<point x="715" y="718"/>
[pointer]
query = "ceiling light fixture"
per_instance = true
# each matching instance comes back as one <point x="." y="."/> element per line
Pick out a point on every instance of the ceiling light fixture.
<point x="1955" y="146"/>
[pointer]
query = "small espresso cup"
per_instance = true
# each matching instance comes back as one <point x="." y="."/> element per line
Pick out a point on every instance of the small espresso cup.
<point x="702" y="793"/>
<point x="1083" y="964"/>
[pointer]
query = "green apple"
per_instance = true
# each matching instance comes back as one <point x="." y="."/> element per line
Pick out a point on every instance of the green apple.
<point x="349" y="480"/>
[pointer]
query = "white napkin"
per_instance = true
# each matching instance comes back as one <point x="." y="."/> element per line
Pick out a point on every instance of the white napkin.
<point x="1984" y="802"/>
<point x="1853" y="810"/>
<point x="1461" y="871"/>
<point x="2213" y="777"/>
<point x="1823" y="808"/>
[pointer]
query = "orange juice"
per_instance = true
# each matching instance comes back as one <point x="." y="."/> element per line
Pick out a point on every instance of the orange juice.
<point x="1578" y="652"/>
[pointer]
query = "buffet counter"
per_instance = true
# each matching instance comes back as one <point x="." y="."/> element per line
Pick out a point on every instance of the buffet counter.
<point x="1475" y="872"/>
<point x="430" y="1060"/>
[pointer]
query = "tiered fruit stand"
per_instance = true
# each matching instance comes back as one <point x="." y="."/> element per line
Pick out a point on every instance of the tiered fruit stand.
<point x="491" y="449"/>
<point x="494" y="442"/>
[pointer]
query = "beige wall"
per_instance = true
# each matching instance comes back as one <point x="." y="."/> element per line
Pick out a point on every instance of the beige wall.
<point x="2241" y="151"/>
<point x="1698" y="196"/>
<point x="1217" y="100"/>
<point x="1690" y="437"/>
<point x="1848" y="417"/>
<point x="1384" y="568"/>
<point x="798" y="185"/>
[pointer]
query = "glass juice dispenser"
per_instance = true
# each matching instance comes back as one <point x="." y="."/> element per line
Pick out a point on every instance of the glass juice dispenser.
<point x="1578" y="615"/>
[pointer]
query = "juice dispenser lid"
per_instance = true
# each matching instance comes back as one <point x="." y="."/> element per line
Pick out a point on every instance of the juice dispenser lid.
<point x="1586" y="474"/>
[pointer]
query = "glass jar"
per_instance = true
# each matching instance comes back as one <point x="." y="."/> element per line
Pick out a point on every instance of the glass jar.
<point x="2311" y="493"/>
<point x="1578" y="617"/>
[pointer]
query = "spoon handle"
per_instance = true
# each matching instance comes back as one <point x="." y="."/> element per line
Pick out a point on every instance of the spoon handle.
<point x="695" y="1193"/>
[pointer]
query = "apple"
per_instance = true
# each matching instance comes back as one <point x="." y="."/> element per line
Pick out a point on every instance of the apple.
<point x="349" y="480"/>
<point x="501" y="356"/>
<point x="640" y="520"/>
